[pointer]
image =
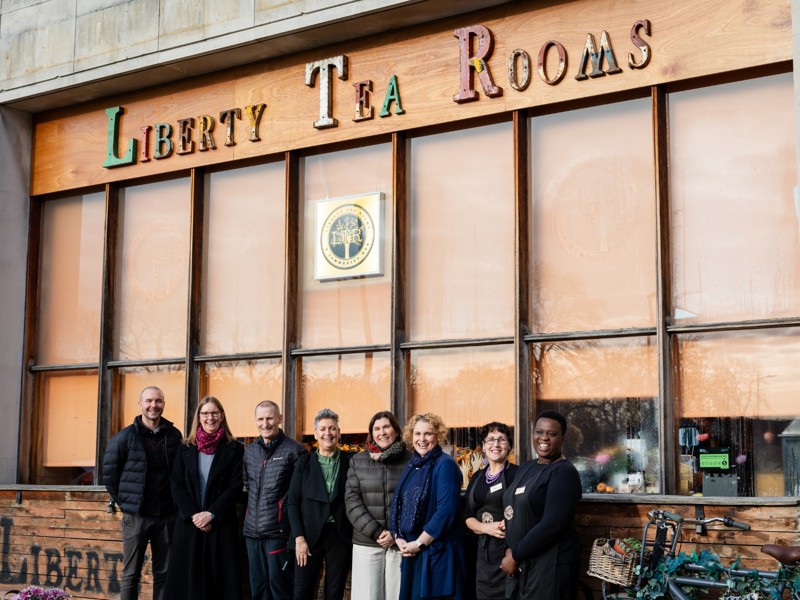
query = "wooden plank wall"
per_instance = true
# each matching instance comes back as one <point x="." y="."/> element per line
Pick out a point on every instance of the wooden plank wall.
<point x="68" y="539"/>
<point x="62" y="539"/>
<point x="769" y="525"/>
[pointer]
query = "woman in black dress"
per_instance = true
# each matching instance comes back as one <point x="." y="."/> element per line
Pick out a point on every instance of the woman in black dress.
<point x="485" y="510"/>
<point x="540" y="505"/>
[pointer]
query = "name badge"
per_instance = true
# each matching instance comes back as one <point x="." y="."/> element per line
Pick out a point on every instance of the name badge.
<point x="519" y="490"/>
<point x="494" y="488"/>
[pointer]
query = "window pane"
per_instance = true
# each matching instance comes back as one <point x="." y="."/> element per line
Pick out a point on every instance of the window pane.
<point x="240" y="386"/>
<point x="608" y="392"/>
<point x="153" y="283"/>
<point x="467" y="387"/>
<point x="70" y="280"/>
<point x="593" y="227"/>
<point x="69" y="422"/>
<point x="737" y="397"/>
<point x="736" y="241"/>
<point x="461" y="250"/>
<point x="244" y="254"/>
<point x="355" y="386"/>
<point x="352" y="312"/>
<point x="171" y="379"/>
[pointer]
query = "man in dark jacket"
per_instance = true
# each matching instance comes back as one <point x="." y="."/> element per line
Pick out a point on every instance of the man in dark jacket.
<point x="136" y="472"/>
<point x="268" y="465"/>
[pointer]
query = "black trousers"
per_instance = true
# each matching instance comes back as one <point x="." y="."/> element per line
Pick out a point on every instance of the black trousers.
<point x="337" y="557"/>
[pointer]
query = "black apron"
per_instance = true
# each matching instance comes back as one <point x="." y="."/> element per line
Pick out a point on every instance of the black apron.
<point x="490" y="581"/>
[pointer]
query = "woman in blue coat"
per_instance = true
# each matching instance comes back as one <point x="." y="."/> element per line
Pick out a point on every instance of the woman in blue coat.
<point x="425" y="515"/>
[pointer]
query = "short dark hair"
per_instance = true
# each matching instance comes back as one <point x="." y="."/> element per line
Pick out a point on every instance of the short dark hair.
<point x="496" y="426"/>
<point x="555" y="416"/>
<point x="384" y="414"/>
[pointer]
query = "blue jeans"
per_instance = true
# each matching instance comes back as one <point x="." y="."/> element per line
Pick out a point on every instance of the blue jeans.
<point x="271" y="568"/>
<point x="137" y="531"/>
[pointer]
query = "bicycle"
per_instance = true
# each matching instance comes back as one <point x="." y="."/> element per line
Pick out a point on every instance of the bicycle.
<point x="663" y="571"/>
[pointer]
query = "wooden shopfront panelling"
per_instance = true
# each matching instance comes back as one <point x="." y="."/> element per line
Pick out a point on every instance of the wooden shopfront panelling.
<point x="771" y="522"/>
<point x="61" y="538"/>
<point x="67" y="537"/>
<point x="687" y="39"/>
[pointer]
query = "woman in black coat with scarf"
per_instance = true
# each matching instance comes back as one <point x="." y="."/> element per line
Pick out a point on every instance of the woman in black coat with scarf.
<point x="206" y="483"/>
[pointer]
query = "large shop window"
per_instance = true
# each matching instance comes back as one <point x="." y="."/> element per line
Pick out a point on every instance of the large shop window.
<point x="355" y="386"/>
<point x="153" y="282"/>
<point x="243" y="289"/>
<point x="739" y="424"/>
<point x="68" y="334"/>
<point x="593" y="219"/>
<point x="71" y="275"/>
<point x="736" y="257"/>
<point x="345" y="311"/>
<point x="608" y="392"/>
<point x="68" y="434"/>
<point x="461" y="281"/>
<point x="462" y="233"/>
<point x="735" y="215"/>
<point x="243" y="253"/>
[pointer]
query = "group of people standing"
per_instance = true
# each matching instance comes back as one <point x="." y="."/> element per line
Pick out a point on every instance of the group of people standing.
<point x="392" y="514"/>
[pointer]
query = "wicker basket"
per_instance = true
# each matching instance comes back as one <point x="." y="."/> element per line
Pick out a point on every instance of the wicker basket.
<point x="608" y="565"/>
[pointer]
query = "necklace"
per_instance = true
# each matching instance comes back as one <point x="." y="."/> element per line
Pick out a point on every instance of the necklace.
<point x="490" y="479"/>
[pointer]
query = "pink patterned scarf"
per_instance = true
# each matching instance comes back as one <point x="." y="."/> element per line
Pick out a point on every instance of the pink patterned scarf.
<point x="208" y="443"/>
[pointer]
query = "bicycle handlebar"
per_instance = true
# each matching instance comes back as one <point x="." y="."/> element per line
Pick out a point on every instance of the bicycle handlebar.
<point x="737" y="524"/>
<point x="665" y="515"/>
<point x="672" y="516"/>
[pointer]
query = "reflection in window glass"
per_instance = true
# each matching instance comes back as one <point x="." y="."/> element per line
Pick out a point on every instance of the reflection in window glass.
<point x="355" y="386"/>
<point x="608" y="392"/>
<point x="69" y="426"/>
<point x="70" y="280"/>
<point x="737" y="401"/>
<point x="593" y="219"/>
<point x="735" y="219"/>
<point x="240" y="386"/>
<point x="467" y="388"/>
<point x="345" y="312"/>
<point x="461" y="250"/>
<point x="171" y="379"/>
<point x="152" y="289"/>
<point x="244" y="256"/>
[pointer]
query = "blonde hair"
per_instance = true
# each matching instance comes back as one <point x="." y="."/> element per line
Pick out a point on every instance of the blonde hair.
<point x="191" y="439"/>
<point x="431" y="419"/>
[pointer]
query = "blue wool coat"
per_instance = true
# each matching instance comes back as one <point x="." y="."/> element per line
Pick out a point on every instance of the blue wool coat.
<point x="443" y="563"/>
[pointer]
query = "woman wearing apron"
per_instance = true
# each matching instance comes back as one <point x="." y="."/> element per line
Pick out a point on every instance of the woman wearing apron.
<point x="485" y="510"/>
<point x="543" y="546"/>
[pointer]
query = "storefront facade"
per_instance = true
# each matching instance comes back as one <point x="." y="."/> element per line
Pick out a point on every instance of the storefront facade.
<point x="586" y="206"/>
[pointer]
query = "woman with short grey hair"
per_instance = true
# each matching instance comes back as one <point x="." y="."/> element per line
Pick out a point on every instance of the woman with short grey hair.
<point x="321" y="533"/>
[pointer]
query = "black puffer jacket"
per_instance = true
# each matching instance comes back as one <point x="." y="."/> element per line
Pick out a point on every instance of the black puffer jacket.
<point x="368" y="494"/>
<point x="267" y="474"/>
<point x="125" y="463"/>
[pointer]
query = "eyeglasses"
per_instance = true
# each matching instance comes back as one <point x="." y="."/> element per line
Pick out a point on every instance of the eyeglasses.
<point x="211" y="413"/>
<point x="492" y="441"/>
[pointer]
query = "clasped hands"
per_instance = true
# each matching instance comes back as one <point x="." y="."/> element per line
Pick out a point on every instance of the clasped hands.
<point x="202" y="521"/>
